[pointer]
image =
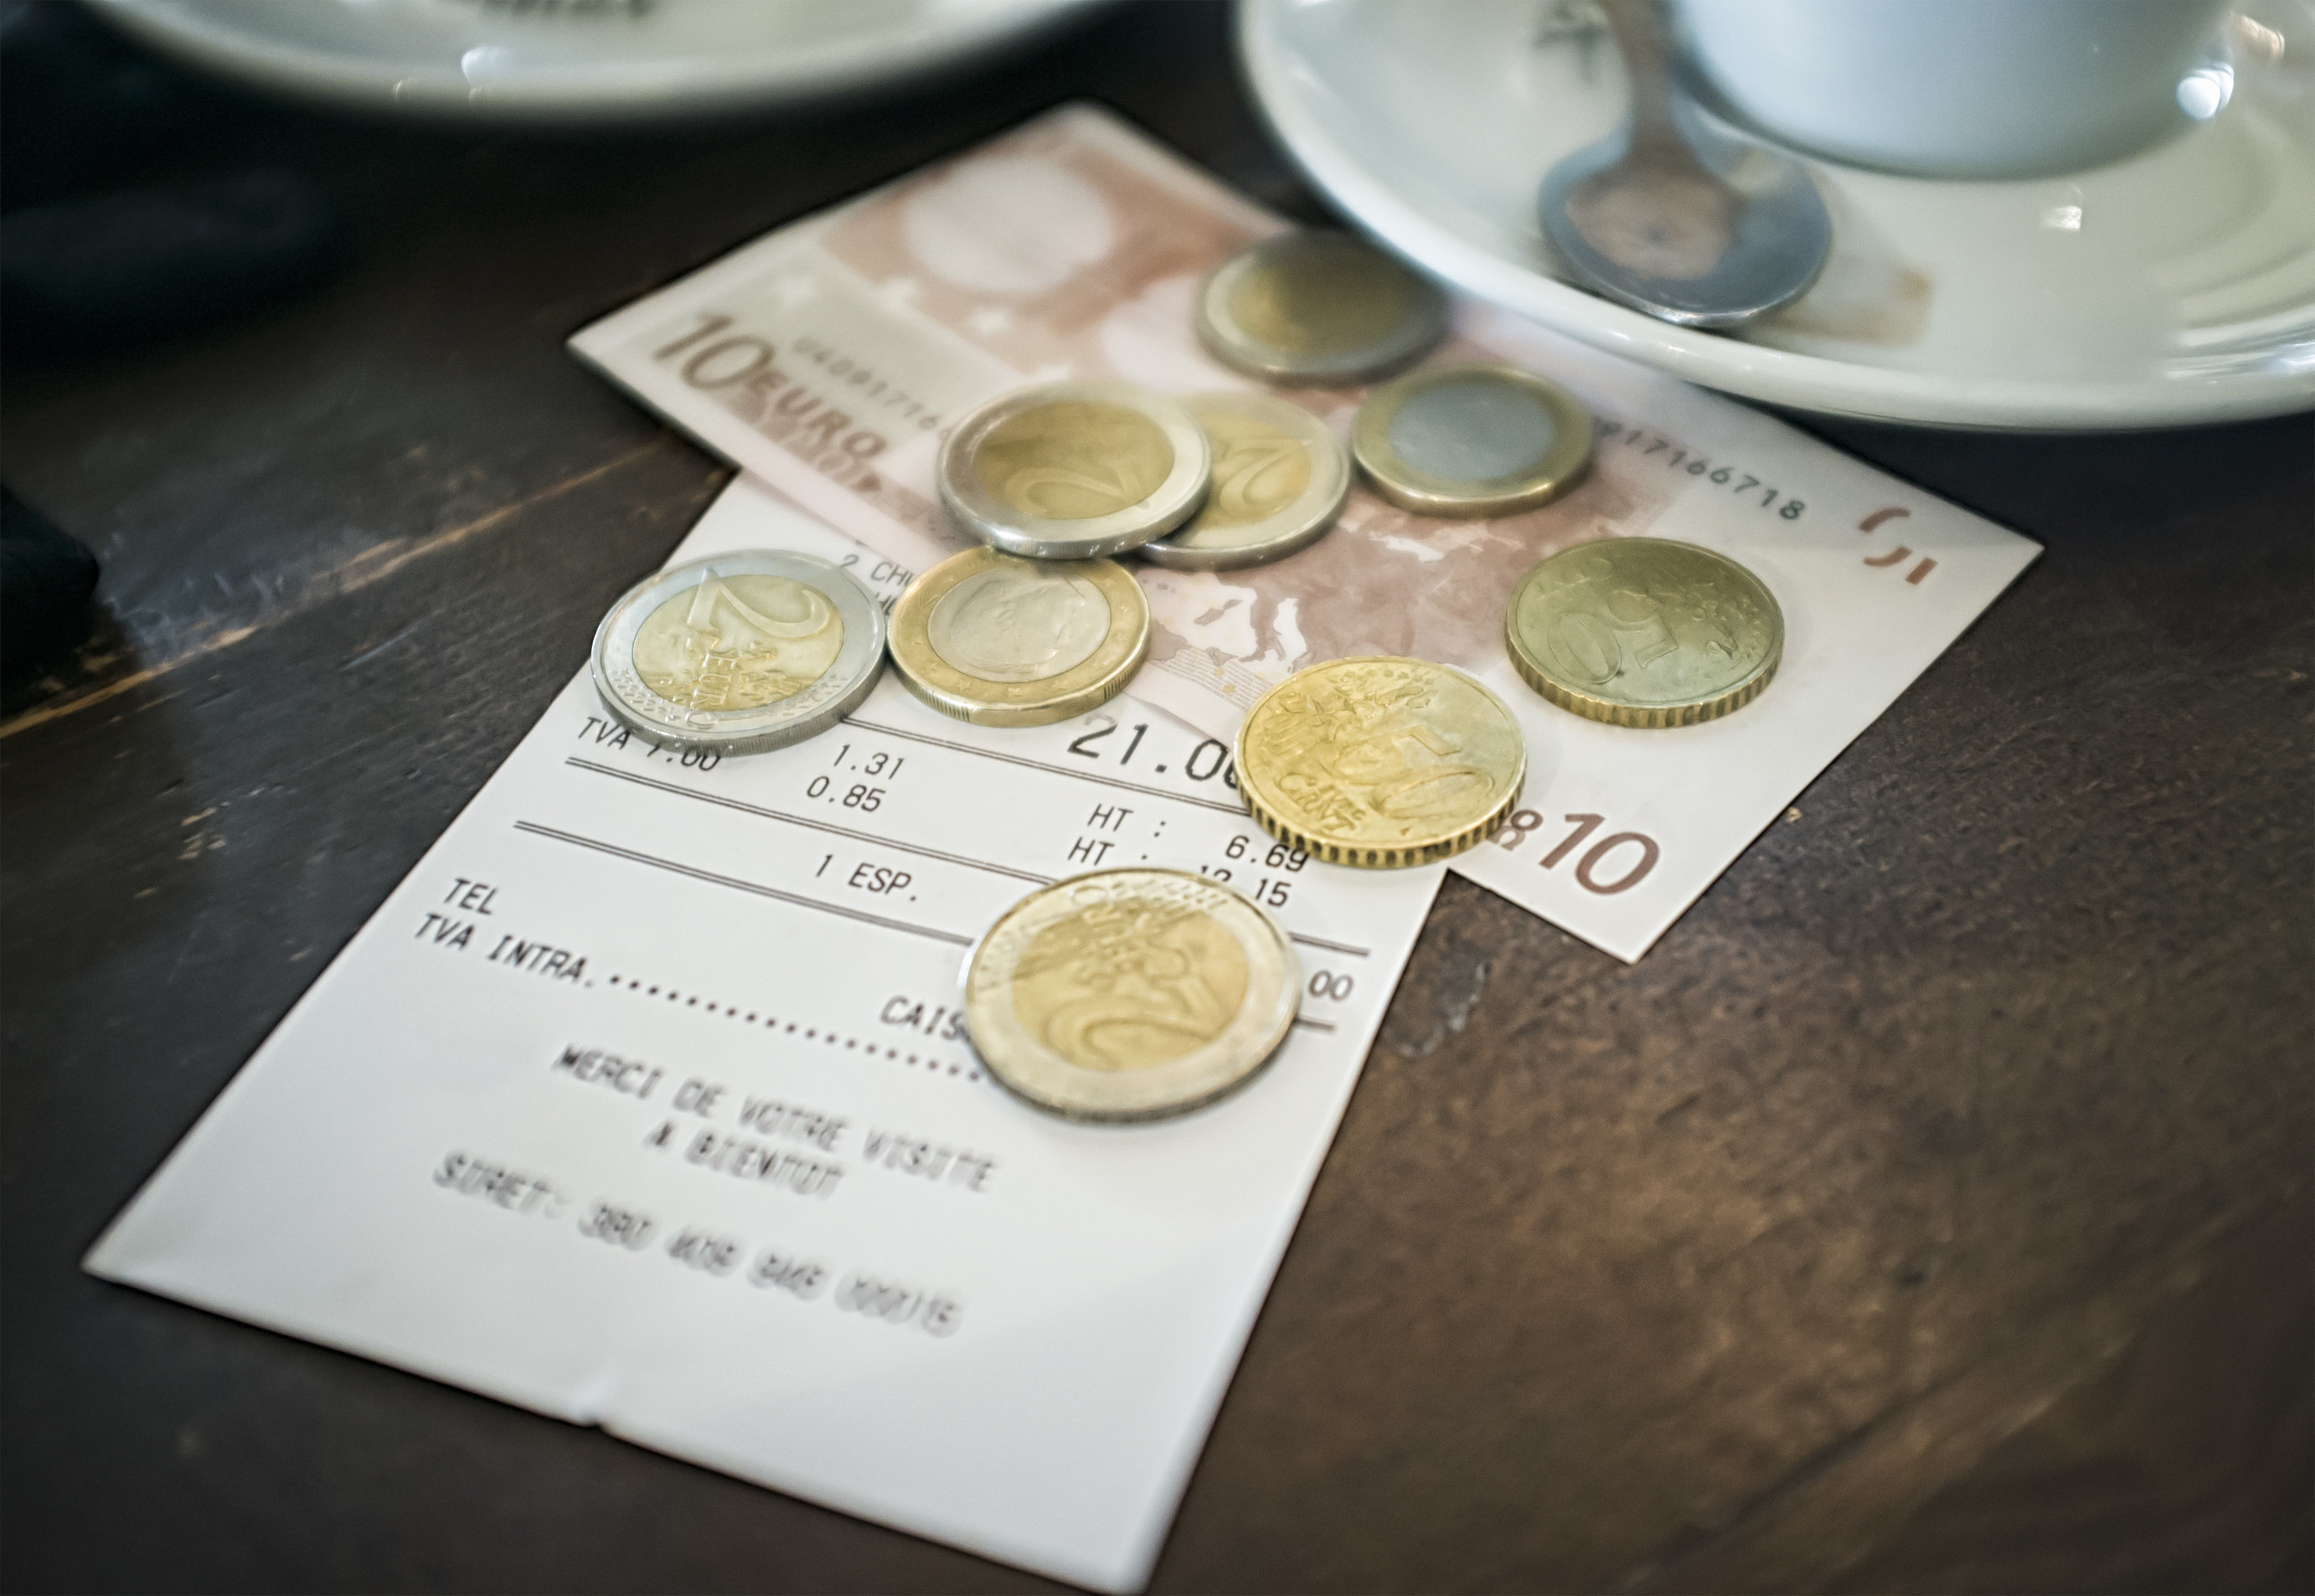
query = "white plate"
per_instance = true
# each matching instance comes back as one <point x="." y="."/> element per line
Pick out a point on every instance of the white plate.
<point x="569" y="59"/>
<point x="2175" y="287"/>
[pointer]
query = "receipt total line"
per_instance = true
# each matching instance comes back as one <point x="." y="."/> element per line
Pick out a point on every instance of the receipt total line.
<point x="1083" y="775"/>
<point x="736" y="884"/>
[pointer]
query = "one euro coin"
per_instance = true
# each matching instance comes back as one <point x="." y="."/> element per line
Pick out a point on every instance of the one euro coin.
<point x="1130" y="994"/>
<point x="1279" y="482"/>
<point x="1319" y="308"/>
<point x="1380" y="761"/>
<point x="1472" y="441"/>
<point x="1002" y="641"/>
<point x="739" y="652"/>
<point x="1074" y="471"/>
<point x="1644" y="631"/>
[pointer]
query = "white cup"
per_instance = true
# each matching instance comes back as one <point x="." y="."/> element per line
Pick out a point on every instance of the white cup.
<point x="1956" y="88"/>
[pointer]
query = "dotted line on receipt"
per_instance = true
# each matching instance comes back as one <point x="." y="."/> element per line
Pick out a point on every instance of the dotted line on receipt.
<point x="756" y="1016"/>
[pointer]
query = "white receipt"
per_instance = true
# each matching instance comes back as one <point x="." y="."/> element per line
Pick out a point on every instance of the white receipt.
<point x="642" y="1102"/>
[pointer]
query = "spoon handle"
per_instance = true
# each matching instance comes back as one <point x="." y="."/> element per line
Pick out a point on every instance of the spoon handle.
<point x="1645" y="42"/>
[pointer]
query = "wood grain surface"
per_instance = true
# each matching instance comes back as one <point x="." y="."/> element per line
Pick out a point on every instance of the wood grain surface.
<point x="1928" y="1211"/>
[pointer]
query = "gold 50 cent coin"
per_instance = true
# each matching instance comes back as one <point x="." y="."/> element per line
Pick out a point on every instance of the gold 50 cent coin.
<point x="1472" y="441"/>
<point x="1644" y="631"/>
<point x="1130" y="994"/>
<point x="1002" y="641"/>
<point x="1072" y="470"/>
<point x="1380" y="761"/>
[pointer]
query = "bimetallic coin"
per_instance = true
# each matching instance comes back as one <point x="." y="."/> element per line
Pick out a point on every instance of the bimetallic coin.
<point x="1472" y="441"/>
<point x="1130" y="994"/>
<point x="1002" y="641"/>
<point x="1644" y="632"/>
<point x="739" y="652"/>
<point x="1379" y="761"/>
<point x="1071" y="471"/>
<point x="1317" y="307"/>
<point x="1279" y="480"/>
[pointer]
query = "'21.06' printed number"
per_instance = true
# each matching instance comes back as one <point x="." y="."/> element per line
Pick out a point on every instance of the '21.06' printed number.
<point x="1612" y="864"/>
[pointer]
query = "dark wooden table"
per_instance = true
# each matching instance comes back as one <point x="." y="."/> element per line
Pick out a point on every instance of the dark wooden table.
<point x="1928" y="1211"/>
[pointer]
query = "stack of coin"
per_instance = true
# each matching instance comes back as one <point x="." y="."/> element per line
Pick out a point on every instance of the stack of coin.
<point x="1130" y="994"/>
<point x="739" y="653"/>
<point x="1380" y="762"/>
<point x="1644" y="631"/>
<point x="1279" y="480"/>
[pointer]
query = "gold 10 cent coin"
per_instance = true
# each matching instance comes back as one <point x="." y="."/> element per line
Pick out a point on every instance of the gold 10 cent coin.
<point x="1380" y="761"/>
<point x="1000" y="641"/>
<point x="1130" y="994"/>
<point x="1472" y="441"/>
<point x="1644" y="631"/>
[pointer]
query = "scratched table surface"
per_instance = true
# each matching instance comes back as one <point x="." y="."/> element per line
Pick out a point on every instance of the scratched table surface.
<point x="1927" y="1211"/>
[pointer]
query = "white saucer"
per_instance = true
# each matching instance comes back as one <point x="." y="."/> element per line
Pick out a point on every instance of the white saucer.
<point x="563" y="60"/>
<point x="2175" y="287"/>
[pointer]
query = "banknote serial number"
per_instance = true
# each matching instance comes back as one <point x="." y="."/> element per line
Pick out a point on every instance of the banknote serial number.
<point x="1639" y="443"/>
<point x="715" y="357"/>
<point x="1613" y="863"/>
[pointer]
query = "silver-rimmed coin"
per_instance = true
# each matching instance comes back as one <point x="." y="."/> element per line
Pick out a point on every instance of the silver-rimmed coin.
<point x="1074" y="471"/>
<point x="1130" y="994"/>
<point x="1321" y="308"/>
<point x="739" y="653"/>
<point x="1472" y="441"/>
<point x="1279" y="480"/>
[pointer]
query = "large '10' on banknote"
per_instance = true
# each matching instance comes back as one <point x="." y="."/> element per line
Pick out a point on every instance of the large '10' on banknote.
<point x="829" y="357"/>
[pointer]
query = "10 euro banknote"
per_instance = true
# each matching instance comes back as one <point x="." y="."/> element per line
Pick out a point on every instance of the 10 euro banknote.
<point x="829" y="357"/>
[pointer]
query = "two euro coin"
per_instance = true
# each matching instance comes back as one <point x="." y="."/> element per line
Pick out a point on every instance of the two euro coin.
<point x="1074" y="471"/>
<point x="1279" y="482"/>
<point x="739" y="653"/>
<point x="1130" y="994"/>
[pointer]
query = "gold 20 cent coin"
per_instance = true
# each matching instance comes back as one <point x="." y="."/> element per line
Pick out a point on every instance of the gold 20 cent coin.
<point x="1644" y="631"/>
<point x="1130" y="994"/>
<point x="1380" y="761"/>
<point x="1002" y="641"/>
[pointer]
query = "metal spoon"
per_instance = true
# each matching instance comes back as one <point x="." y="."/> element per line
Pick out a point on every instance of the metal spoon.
<point x="1670" y="216"/>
